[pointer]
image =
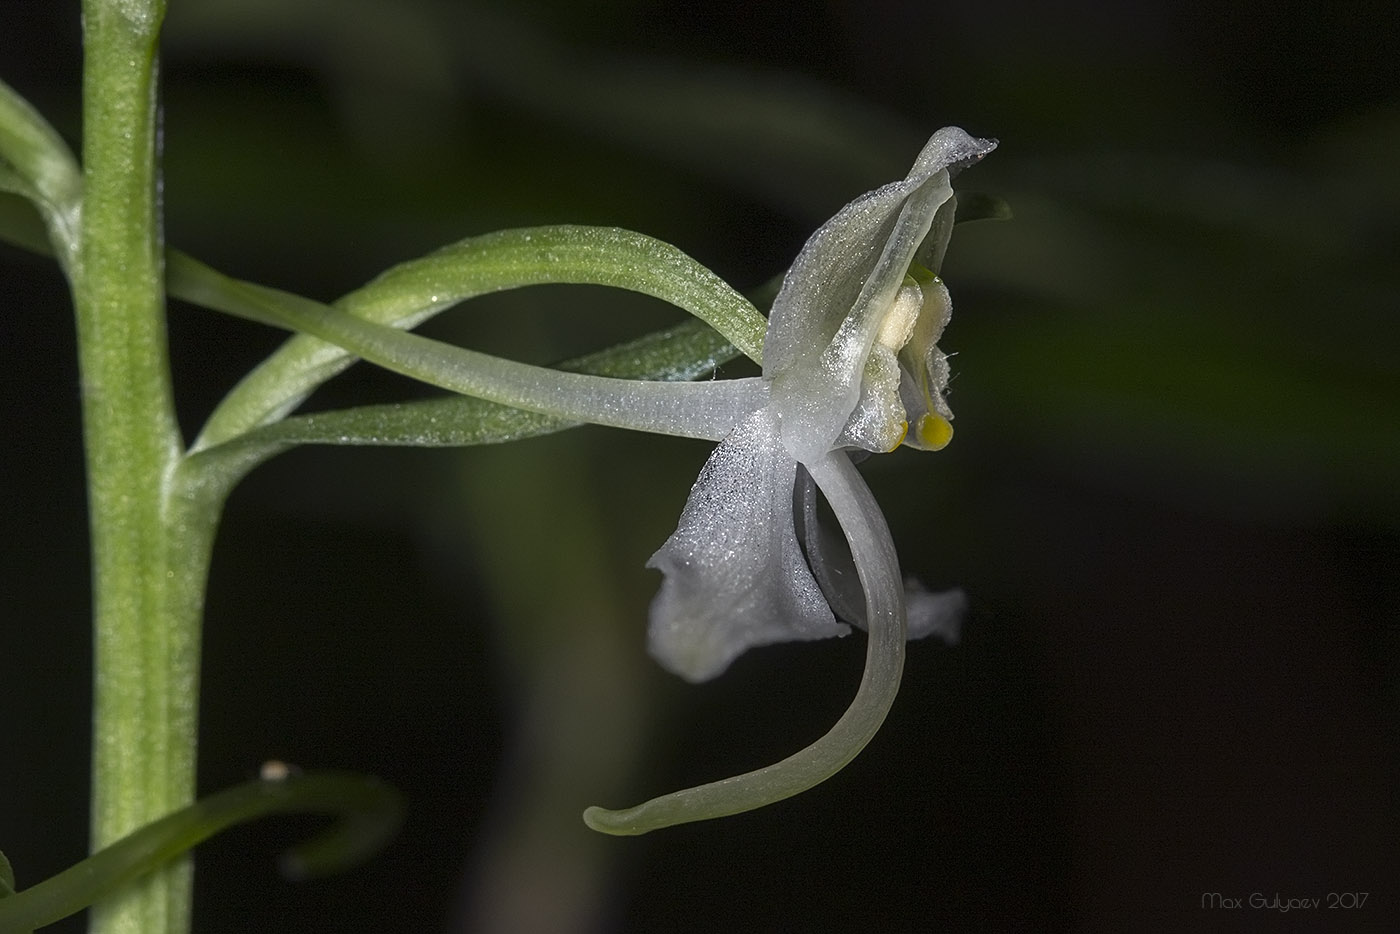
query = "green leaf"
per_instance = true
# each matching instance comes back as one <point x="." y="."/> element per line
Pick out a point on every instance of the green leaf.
<point x="370" y="814"/>
<point x="14" y="183"/>
<point x="413" y="291"/>
<point x="675" y="354"/>
<point x="38" y="164"/>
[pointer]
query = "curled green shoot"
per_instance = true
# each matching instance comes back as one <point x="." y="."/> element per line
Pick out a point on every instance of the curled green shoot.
<point x="368" y="814"/>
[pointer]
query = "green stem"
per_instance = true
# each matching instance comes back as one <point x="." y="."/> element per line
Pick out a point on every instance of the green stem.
<point x="150" y="547"/>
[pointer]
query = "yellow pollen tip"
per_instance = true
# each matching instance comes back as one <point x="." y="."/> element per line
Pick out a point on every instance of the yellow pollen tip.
<point x="934" y="431"/>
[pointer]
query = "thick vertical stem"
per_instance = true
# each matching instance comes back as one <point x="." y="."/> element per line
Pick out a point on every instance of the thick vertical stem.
<point x="145" y="589"/>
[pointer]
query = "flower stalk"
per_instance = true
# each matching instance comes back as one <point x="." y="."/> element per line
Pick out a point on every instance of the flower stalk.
<point x="150" y="549"/>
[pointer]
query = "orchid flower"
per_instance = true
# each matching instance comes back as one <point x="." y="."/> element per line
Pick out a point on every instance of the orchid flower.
<point x="850" y="364"/>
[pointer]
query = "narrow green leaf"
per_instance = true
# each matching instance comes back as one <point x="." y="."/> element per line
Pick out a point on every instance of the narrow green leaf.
<point x="14" y="183"/>
<point x="674" y="354"/>
<point x="411" y="292"/>
<point x="370" y="814"/>
<point x="41" y="167"/>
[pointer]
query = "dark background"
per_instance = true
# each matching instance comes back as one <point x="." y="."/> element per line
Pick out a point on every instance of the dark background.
<point x="1172" y="497"/>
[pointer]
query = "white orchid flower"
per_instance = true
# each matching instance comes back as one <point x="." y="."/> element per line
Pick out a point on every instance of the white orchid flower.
<point x="850" y="363"/>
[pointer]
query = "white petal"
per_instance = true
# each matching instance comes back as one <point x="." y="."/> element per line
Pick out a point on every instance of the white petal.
<point x="929" y="614"/>
<point x="934" y="614"/>
<point x="878" y="422"/>
<point x="735" y="574"/>
<point x="869" y="539"/>
<point x="834" y="298"/>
